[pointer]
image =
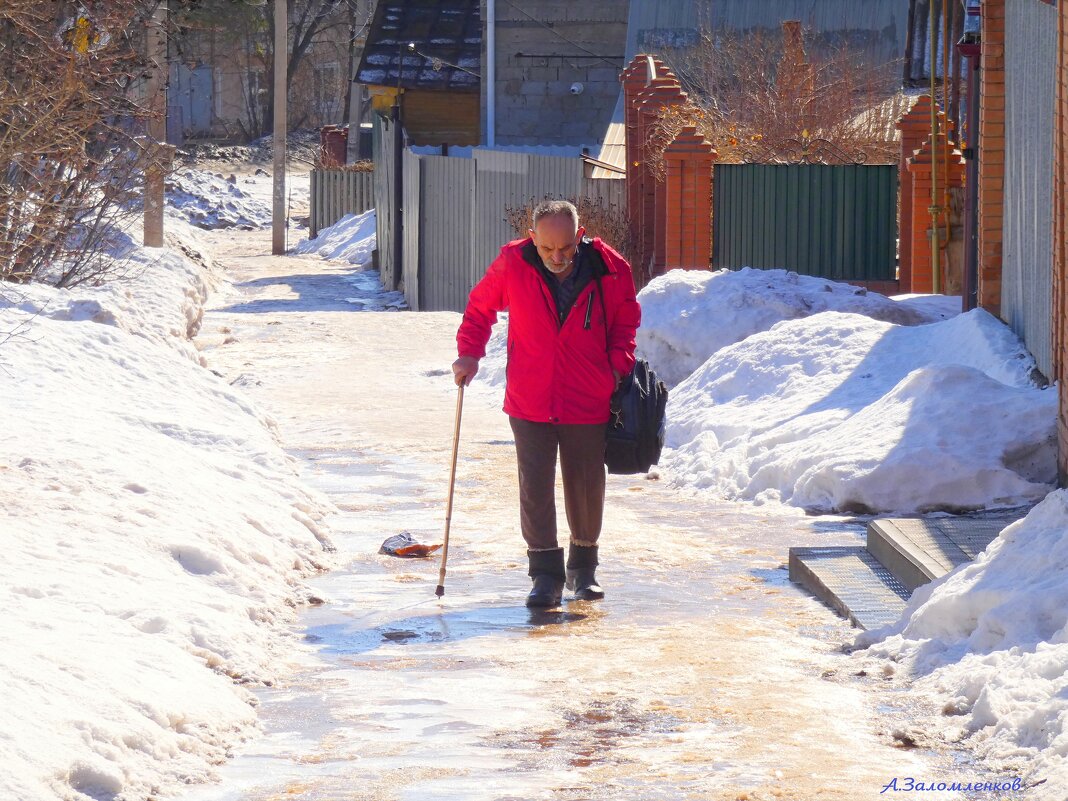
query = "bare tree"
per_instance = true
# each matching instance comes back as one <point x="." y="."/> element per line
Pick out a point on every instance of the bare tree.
<point x="761" y="97"/>
<point x="71" y="153"/>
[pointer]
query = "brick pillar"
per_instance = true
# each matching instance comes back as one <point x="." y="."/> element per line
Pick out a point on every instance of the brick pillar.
<point x="662" y="92"/>
<point x="687" y="241"/>
<point x="1060" y="241"/>
<point x="991" y="155"/>
<point x="639" y="76"/>
<point x="950" y="174"/>
<point x="915" y="128"/>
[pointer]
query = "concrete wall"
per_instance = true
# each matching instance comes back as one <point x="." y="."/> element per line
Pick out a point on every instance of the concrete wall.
<point x="545" y="46"/>
<point x="1026" y="281"/>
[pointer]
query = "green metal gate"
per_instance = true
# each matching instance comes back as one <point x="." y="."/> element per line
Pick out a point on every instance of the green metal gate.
<point x="834" y="221"/>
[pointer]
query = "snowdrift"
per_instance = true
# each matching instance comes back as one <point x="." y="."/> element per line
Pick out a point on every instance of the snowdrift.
<point x="843" y="412"/>
<point x="990" y="641"/>
<point x="351" y="239"/>
<point x="210" y="200"/>
<point x="155" y="539"/>
<point x="687" y="315"/>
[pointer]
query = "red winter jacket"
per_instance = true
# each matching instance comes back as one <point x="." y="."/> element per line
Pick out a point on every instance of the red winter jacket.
<point x="556" y="373"/>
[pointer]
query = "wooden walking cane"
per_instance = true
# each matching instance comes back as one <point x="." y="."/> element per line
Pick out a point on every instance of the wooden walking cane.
<point x="440" y="591"/>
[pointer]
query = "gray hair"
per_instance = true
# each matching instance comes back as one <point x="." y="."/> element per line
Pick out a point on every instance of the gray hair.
<point x="555" y="208"/>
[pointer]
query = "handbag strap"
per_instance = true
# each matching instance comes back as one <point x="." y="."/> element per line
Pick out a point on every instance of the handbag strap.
<point x="604" y="312"/>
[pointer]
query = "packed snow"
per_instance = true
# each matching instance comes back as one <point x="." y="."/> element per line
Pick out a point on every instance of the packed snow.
<point x="213" y="200"/>
<point x="688" y="315"/>
<point x="156" y="538"/>
<point x="843" y="412"/>
<point x="990" y="642"/>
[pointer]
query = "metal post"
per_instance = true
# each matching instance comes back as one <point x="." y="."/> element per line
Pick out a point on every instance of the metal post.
<point x="491" y="73"/>
<point x="281" y="56"/>
<point x="156" y="54"/>
<point x="934" y="207"/>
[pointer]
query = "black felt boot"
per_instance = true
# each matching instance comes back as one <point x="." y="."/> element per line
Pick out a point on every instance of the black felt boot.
<point x="581" y="572"/>
<point x="547" y="572"/>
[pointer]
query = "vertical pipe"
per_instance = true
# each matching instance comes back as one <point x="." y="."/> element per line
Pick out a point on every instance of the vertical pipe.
<point x="910" y="44"/>
<point x="932" y="33"/>
<point x="491" y="73"/>
<point x="971" y="216"/>
<point x="281" y="48"/>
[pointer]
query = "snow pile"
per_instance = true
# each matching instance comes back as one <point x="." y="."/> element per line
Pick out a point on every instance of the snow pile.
<point x="157" y="294"/>
<point x="843" y="412"/>
<point x="210" y="200"/>
<point x="931" y="308"/>
<point x="687" y="315"/>
<point x="990" y="640"/>
<point x="155" y="541"/>
<point x="351" y="239"/>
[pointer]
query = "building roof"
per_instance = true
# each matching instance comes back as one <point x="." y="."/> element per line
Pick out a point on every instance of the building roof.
<point x="424" y="44"/>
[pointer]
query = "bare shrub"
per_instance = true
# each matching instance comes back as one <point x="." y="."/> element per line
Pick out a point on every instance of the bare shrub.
<point x="71" y="155"/>
<point x="600" y="218"/>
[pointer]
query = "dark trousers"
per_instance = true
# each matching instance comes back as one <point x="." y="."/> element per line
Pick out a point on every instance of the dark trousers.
<point x="581" y="449"/>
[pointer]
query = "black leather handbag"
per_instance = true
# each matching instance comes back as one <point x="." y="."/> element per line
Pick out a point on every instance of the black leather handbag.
<point x="635" y="436"/>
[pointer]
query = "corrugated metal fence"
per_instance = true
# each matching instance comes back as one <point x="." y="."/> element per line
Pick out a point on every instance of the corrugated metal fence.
<point x="1027" y="266"/>
<point x="835" y="221"/>
<point x="454" y="216"/>
<point x="335" y="193"/>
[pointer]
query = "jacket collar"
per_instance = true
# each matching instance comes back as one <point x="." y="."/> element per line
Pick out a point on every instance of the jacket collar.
<point x="590" y="250"/>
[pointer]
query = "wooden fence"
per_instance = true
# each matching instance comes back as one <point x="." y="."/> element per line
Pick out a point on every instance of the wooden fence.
<point x="335" y="193"/>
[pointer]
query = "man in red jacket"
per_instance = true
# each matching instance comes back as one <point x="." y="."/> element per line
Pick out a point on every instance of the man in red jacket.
<point x="572" y="318"/>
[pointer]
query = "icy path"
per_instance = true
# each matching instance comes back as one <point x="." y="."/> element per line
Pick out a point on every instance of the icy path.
<point x="704" y="675"/>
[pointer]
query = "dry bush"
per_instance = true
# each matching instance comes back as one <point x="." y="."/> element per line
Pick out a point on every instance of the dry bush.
<point x="600" y="218"/>
<point x="70" y="152"/>
<point x="763" y="98"/>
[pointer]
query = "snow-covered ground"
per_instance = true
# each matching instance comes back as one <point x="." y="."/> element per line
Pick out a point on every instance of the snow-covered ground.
<point x="156" y="538"/>
<point x="234" y="199"/>
<point x="989" y="642"/>
<point x="159" y="538"/>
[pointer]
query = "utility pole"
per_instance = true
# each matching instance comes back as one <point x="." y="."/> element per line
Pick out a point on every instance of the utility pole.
<point x="156" y="47"/>
<point x="281" y="55"/>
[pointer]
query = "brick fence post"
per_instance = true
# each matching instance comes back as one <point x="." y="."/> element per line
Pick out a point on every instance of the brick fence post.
<point x="992" y="155"/>
<point x="951" y="168"/>
<point x="643" y="73"/>
<point x="687" y="241"/>
<point x="660" y="94"/>
<point x="915" y="127"/>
